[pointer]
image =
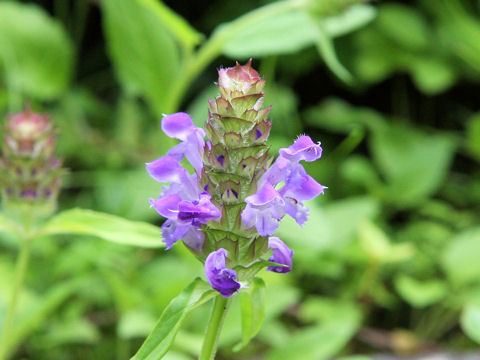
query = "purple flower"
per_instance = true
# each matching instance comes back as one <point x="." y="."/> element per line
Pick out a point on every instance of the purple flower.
<point x="220" y="278"/>
<point x="298" y="185"/>
<point x="182" y="203"/>
<point x="180" y="126"/>
<point x="264" y="210"/>
<point x="281" y="255"/>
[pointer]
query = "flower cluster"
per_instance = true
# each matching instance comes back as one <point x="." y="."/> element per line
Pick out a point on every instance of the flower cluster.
<point x="227" y="210"/>
<point x="30" y="172"/>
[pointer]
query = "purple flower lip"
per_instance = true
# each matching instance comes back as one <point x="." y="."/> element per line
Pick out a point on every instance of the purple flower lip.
<point x="263" y="196"/>
<point x="165" y="169"/>
<point x="281" y="255"/>
<point x="302" y="149"/>
<point x="167" y="206"/>
<point x="221" y="278"/>
<point x="180" y="126"/>
<point x="202" y="211"/>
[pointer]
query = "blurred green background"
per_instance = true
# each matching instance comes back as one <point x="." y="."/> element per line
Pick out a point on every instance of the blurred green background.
<point x="390" y="259"/>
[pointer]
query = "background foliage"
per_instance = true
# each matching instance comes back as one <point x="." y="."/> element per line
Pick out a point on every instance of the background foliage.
<point x="389" y="261"/>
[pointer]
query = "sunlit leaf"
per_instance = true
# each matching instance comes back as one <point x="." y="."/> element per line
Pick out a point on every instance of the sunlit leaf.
<point x="351" y="19"/>
<point x="470" y="321"/>
<point x="105" y="226"/>
<point x="460" y="257"/>
<point x="420" y="293"/>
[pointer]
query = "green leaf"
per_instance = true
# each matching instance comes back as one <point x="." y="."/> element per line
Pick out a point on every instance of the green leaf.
<point x="432" y="75"/>
<point x="283" y="33"/>
<point x="460" y="257"/>
<point x="145" y="55"/>
<point x="379" y="247"/>
<point x="414" y="163"/>
<point x="420" y="293"/>
<point x="470" y="322"/>
<point x="286" y="32"/>
<point x="105" y="226"/>
<point x="178" y="26"/>
<point x="353" y="18"/>
<point x="163" y="335"/>
<point x="252" y="304"/>
<point x="393" y="19"/>
<point x="36" y="54"/>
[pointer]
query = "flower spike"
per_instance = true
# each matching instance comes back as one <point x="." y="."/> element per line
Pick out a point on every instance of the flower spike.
<point x="226" y="211"/>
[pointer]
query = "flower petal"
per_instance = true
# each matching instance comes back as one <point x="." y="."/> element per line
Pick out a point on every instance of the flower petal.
<point x="194" y="239"/>
<point x="302" y="149"/>
<point x="281" y="255"/>
<point x="263" y="196"/>
<point x="220" y="278"/>
<point x="173" y="231"/>
<point x="166" y="169"/>
<point x="296" y="210"/>
<point x="167" y="206"/>
<point x="198" y="211"/>
<point x="305" y="189"/>
<point x="178" y="125"/>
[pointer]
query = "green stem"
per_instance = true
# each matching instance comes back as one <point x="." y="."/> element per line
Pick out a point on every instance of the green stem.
<point x="215" y="324"/>
<point x="20" y="271"/>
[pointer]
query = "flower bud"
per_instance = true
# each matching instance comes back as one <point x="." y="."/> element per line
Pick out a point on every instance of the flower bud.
<point x="29" y="171"/>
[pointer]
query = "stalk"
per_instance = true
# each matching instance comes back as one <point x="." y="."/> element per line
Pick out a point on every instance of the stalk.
<point x="20" y="271"/>
<point x="215" y="324"/>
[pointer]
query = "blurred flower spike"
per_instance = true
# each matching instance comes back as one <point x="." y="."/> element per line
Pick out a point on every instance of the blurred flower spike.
<point x="227" y="210"/>
<point x="30" y="171"/>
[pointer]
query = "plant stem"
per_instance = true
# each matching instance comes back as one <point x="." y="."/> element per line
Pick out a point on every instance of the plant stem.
<point x="20" y="271"/>
<point x="209" y="347"/>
